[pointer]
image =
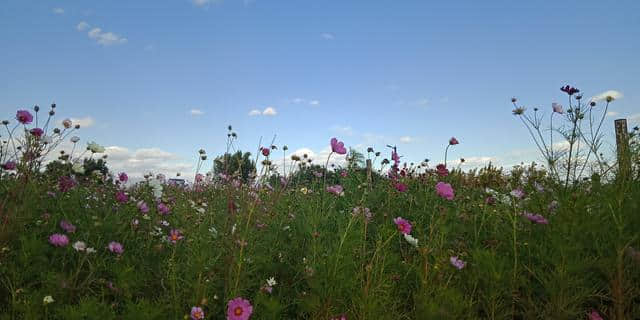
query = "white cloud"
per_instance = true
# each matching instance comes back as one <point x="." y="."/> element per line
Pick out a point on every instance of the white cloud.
<point x="406" y="139"/>
<point x="141" y="161"/>
<point x="422" y="102"/>
<point x="475" y="162"/>
<point x="314" y="102"/>
<point x="609" y="93"/>
<point x="196" y="112"/>
<point x="203" y="3"/>
<point x="634" y="117"/>
<point x="58" y="11"/>
<point x="102" y="38"/>
<point x="327" y="36"/>
<point x="85" y="122"/>
<point x="269" y="111"/>
<point x="82" y="26"/>
<point x="149" y="47"/>
<point x="343" y="130"/>
<point x="255" y="112"/>
<point x="612" y="113"/>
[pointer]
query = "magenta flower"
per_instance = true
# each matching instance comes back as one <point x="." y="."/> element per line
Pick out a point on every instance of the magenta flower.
<point x="116" y="247"/>
<point x="569" y="90"/>
<point x="557" y="108"/>
<point x="123" y="177"/>
<point x="163" y="209"/>
<point x="453" y="141"/>
<point x="445" y="190"/>
<point x="239" y="309"/>
<point x="343" y="174"/>
<point x="175" y="236"/>
<point x="58" y="240"/>
<point x="594" y="315"/>
<point x="199" y="177"/>
<point x="459" y="264"/>
<point x="338" y="146"/>
<point x="36" y="132"/>
<point x="197" y="313"/>
<point x="67" y="226"/>
<point x="24" y="116"/>
<point x="122" y="197"/>
<point x="401" y="187"/>
<point x="66" y="183"/>
<point x="9" y="165"/>
<point x="336" y="190"/>
<point x="340" y="317"/>
<point x="442" y="170"/>
<point x="535" y="218"/>
<point x="403" y="225"/>
<point x="265" y="151"/>
<point x="142" y="206"/>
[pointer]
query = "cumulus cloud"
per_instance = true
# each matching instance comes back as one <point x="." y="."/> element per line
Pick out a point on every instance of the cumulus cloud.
<point x="268" y="111"/>
<point x="82" y="26"/>
<point x="609" y="93"/>
<point x="196" y="112"/>
<point x="612" y="113"/>
<point x="406" y="139"/>
<point x="58" y="11"/>
<point x="314" y="102"/>
<point x="475" y="162"/>
<point x="85" y="122"/>
<point x="327" y="36"/>
<point x="343" y="130"/>
<point x="422" y="102"/>
<point x="136" y="163"/>
<point x="203" y="3"/>
<point x="105" y="38"/>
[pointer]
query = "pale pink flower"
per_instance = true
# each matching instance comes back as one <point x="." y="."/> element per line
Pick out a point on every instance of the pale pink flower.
<point x="67" y="226"/>
<point x="175" y="236"/>
<point x="58" y="240"/>
<point x="116" y="247"/>
<point x="239" y="309"/>
<point x="557" y="108"/>
<point x="594" y="315"/>
<point x="459" y="264"/>
<point x="336" y="190"/>
<point x="403" y="225"/>
<point x="338" y="146"/>
<point x="445" y="190"/>
<point x="197" y="313"/>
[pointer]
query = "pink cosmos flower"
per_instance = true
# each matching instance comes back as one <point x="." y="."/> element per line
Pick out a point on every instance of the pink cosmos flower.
<point x="317" y="174"/>
<point x="337" y="190"/>
<point x="24" y="117"/>
<point x="338" y="146"/>
<point x="142" y="206"/>
<point x="340" y="317"/>
<point x="594" y="315"/>
<point x="197" y="313"/>
<point x="122" y="197"/>
<point x="453" y="141"/>
<point x="66" y="183"/>
<point x="265" y="151"/>
<point x="557" y="108"/>
<point x="199" y="177"/>
<point x="535" y="218"/>
<point x="239" y="309"/>
<point x="116" y="247"/>
<point x="9" y="165"/>
<point x="123" y="177"/>
<point x="67" y="226"/>
<point x="442" y="170"/>
<point x="459" y="264"/>
<point x="67" y="123"/>
<point x="518" y="193"/>
<point x="401" y="187"/>
<point x="403" y="225"/>
<point x="444" y="190"/>
<point x="58" y="240"/>
<point x="175" y="236"/>
<point x="343" y="174"/>
<point x="36" y="132"/>
<point x="163" y="209"/>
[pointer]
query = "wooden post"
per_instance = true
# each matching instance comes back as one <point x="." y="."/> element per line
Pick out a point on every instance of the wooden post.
<point x="369" y="168"/>
<point x="622" y="146"/>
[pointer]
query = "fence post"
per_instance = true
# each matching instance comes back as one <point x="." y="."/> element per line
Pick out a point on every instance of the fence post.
<point x="622" y="146"/>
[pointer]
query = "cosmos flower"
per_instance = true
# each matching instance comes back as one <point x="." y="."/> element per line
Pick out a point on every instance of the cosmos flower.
<point x="403" y="225"/>
<point x="336" y="190"/>
<point x="175" y="236"/>
<point x="442" y="170"/>
<point x="459" y="264"/>
<point x="9" y="165"/>
<point x="338" y="146"/>
<point x="197" y="313"/>
<point x="24" y="116"/>
<point x="36" y="132"/>
<point x="116" y="247"/>
<point x="413" y="241"/>
<point x="58" y="240"/>
<point x="445" y="190"/>
<point x="239" y="309"/>
<point x="453" y="141"/>
<point x="67" y="226"/>
<point x="123" y="177"/>
<point x="557" y="108"/>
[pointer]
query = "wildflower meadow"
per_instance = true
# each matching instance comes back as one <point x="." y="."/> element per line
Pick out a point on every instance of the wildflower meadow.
<point x="271" y="235"/>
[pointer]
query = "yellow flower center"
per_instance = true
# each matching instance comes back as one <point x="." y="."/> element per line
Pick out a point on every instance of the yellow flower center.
<point x="198" y="315"/>
<point x="237" y="311"/>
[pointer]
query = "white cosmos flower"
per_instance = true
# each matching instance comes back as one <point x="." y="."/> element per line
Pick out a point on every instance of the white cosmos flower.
<point x="413" y="241"/>
<point x="47" y="300"/>
<point x="80" y="246"/>
<point x="78" y="168"/>
<point x="271" y="282"/>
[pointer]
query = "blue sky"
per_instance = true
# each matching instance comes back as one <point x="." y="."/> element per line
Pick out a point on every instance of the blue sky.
<point x="411" y="73"/>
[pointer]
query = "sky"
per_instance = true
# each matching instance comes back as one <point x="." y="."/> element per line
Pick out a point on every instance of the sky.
<point x="155" y="81"/>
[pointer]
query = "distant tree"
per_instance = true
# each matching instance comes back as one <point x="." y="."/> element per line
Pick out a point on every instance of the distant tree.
<point x="91" y="165"/>
<point x="238" y="164"/>
<point x="355" y="159"/>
